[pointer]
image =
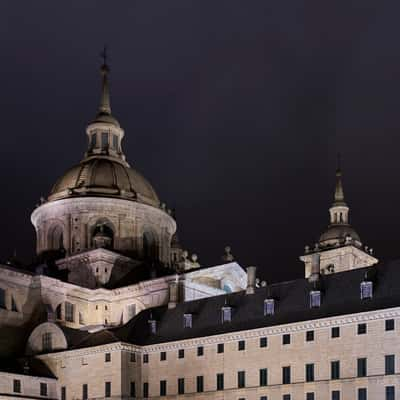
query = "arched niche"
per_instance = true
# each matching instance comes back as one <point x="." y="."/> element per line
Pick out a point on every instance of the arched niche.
<point x="150" y="245"/>
<point x="55" y="237"/>
<point x="102" y="227"/>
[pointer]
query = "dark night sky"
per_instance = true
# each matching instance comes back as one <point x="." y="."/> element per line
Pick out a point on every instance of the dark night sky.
<point x="233" y="110"/>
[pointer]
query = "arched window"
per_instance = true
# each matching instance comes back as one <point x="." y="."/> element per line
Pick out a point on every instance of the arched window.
<point x="103" y="234"/>
<point x="56" y="238"/>
<point x="150" y="250"/>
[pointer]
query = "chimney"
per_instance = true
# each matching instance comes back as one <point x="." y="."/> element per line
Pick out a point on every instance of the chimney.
<point x="251" y="280"/>
<point x="315" y="267"/>
<point x="173" y="294"/>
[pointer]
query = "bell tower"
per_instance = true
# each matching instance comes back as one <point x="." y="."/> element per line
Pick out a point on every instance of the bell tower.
<point x="339" y="247"/>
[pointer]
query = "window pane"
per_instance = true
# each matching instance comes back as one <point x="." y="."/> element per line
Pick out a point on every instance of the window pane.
<point x="286" y="339"/>
<point x="362" y="394"/>
<point x="220" y="348"/>
<point x="200" y="384"/>
<point x="389" y="364"/>
<point x="263" y="377"/>
<point x="133" y="389"/>
<point x="241" y="345"/>
<point x="17" y="386"/>
<point x="335" y="370"/>
<point x="389" y="325"/>
<point x="285" y="375"/>
<point x="335" y="332"/>
<point x="309" y="372"/>
<point x="361" y="367"/>
<point x="84" y="391"/>
<point x="335" y="395"/>
<point x="241" y="379"/>
<point x="181" y="386"/>
<point x="220" y="381"/>
<point x="389" y="393"/>
<point x="309" y="336"/>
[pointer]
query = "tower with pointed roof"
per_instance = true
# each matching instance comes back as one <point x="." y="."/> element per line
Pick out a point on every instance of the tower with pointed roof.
<point x="339" y="246"/>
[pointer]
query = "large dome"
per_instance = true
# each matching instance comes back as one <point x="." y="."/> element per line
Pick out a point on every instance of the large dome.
<point x="107" y="177"/>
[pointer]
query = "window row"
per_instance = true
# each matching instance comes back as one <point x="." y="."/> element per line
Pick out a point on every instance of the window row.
<point x="263" y="342"/>
<point x="389" y="391"/>
<point x="85" y="391"/>
<point x="17" y="387"/>
<point x="309" y="376"/>
<point x="106" y="140"/>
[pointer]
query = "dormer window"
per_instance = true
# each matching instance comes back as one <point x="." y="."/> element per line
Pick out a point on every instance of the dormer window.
<point x="46" y="341"/>
<point x="315" y="298"/>
<point x="153" y="326"/>
<point x="269" y="306"/>
<point x="366" y="289"/>
<point x="226" y="314"/>
<point x="187" y="320"/>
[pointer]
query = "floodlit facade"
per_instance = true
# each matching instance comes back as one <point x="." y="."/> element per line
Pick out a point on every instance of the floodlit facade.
<point x="115" y="308"/>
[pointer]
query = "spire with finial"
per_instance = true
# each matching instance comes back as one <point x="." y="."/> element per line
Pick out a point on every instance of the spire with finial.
<point x="339" y="211"/>
<point x="339" y="194"/>
<point x="104" y="107"/>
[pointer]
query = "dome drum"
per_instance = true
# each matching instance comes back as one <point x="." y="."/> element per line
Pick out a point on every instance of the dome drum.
<point x="134" y="228"/>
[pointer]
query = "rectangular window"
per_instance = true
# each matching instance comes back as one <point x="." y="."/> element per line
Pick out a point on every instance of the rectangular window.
<point x="263" y="398"/>
<point x="241" y="377"/>
<point x="181" y="353"/>
<point x="63" y="393"/>
<point x="286" y="397"/>
<point x="389" y="393"/>
<point x="263" y="342"/>
<point x="133" y="357"/>
<point x="115" y="142"/>
<point x="310" y="336"/>
<point x="310" y="396"/>
<point x="187" y="320"/>
<point x="93" y="139"/>
<point x="335" y="395"/>
<point x="200" y="351"/>
<point x="241" y="345"/>
<point x="315" y="299"/>
<point x="220" y="381"/>
<point x="286" y="338"/>
<point x="226" y="314"/>
<point x="335" y="370"/>
<point x="163" y="388"/>
<point x="43" y="389"/>
<point x="181" y="385"/>
<point x="13" y="304"/>
<point x="389" y="364"/>
<point x="47" y="341"/>
<point x="263" y="377"/>
<point x="69" y="312"/>
<point x="107" y="389"/>
<point x="2" y="298"/>
<point x="362" y="394"/>
<point x="366" y="289"/>
<point x="309" y="372"/>
<point x="200" y="384"/>
<point x="269" y="307"/>
<point x="285" y="375"/>
<point x="145" y="390"/>
<point x="104" y="140"/>
<point x="107" y="357"/>
<point x="361" y="329"/>
<point x="220" y="348"/>
<point x="335" y="332"/>
<point x="389" y="325"/>
<point x="17" y="386"/>
<point x="145" y="358"/>
<point x="361" y="367"/>
<point x="163" y="356"/>
<point x="133" y="389"/>
<point x="84" y="391"/>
